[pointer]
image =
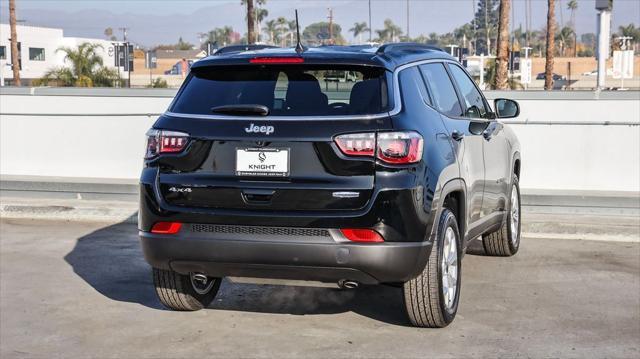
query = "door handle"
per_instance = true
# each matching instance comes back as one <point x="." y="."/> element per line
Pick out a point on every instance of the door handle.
<point x="457" y="136"/>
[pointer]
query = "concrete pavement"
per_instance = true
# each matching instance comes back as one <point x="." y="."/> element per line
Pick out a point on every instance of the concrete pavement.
<point x="76" y="289"/>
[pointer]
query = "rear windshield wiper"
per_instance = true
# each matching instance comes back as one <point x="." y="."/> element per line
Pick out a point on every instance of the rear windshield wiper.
<point x="242" y="110"/>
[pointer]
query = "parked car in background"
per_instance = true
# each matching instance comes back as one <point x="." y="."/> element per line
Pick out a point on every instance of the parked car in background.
<point x="555" y="77"/>
<point x="256" y="170"/>
<point x="341" y="76"/>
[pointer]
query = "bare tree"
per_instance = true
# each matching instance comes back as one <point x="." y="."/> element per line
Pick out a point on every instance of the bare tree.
<point x="15" y="64"/>
<point x="502" y="60"/>
<point x="551" y="29"/>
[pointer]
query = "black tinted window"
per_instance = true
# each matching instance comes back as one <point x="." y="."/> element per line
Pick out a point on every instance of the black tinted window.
<point x="475" y="107"/>
<point x="442" y="90"/>
<point x="411" y="80"/>
<point x="287" y="90"/>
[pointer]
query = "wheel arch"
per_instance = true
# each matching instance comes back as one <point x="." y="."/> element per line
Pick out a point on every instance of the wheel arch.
<point x="453" y="196"/>
<point x="516" y="164"/>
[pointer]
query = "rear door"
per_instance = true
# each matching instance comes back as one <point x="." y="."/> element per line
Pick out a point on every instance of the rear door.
<point x="467" y="135"/>
<point x="496" y="152"/>
<point x="284" y="161"/>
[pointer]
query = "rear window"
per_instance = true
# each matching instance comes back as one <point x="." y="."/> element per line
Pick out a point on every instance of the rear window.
<point x="307" y="90"/>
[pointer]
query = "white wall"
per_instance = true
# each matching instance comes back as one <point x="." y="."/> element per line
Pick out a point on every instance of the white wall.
<point x="581" y="157"/>
<point x="563" y="157"/>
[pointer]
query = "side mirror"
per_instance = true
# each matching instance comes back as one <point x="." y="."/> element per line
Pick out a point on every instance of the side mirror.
<point x="506" y="108"/>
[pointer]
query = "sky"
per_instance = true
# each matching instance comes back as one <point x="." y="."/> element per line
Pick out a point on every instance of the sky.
<point x="153" y="22"/>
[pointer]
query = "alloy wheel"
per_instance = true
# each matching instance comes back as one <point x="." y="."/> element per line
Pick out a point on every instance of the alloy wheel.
<point x="449" y="268"/>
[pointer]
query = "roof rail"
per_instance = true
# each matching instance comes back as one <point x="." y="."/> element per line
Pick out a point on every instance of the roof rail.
<point x="386" y="48"/>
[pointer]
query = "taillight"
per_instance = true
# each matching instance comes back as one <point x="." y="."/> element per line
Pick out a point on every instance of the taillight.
<point x="399" y="147"/>
<point x="362" y="235"/>
<point x="166" y="227"/>
<point x="358" y="144"/>
<point x="161" y="141"/>
<point x="402" y="147"/>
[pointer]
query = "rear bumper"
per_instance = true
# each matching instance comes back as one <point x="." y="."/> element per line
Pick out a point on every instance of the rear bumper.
<point x="301" y="260"/>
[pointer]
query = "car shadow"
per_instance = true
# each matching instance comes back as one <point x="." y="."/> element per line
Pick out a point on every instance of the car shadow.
<point x="110" y="260"/>
<point x="476" y="248"/>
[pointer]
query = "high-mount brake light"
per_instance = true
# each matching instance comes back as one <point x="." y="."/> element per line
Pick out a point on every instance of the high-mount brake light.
<point x="277" y="60"/>
<point x="362" y="235"/>
<point x="399" y="147"/>
<point x="166" y="227"/>
<point x="357" y="144"/>
<point x="161" y="141"/>
<point x="404" y="147"/>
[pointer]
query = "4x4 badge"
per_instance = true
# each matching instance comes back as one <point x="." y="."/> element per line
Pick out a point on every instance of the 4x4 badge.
<point x="267" y="130"/>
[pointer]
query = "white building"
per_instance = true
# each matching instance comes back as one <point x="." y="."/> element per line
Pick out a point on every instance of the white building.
<point x="37" y="50"/>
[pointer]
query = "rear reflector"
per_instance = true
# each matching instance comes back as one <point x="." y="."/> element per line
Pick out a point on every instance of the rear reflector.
<point x="277" y="60"/>
<point x="362" y="235"/>
<point x="166" y="227"/>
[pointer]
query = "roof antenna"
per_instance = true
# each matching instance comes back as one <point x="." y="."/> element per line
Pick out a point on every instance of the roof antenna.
<point x="299" y="47"/>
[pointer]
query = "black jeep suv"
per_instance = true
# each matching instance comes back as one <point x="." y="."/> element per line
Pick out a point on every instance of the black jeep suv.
<point x="263" y="168"/>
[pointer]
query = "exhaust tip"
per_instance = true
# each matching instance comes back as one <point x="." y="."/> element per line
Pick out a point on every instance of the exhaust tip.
<point x="200" y="277"/>
<point x="347" y="284"/>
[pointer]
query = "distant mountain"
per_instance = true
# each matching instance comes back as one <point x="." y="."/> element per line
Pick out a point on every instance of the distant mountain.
<point x="173" y="19"/>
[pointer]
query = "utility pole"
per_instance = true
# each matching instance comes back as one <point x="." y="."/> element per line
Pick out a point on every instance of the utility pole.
<point x="408" y="33"/>
<point x="124" y="33"/>
<point x="15" y="62"/>
<point x="370" y="26"/>
<point x="330" y="26"/>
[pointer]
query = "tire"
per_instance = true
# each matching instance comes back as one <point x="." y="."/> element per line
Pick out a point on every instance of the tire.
<point x="424" y="298"/>
<point x="177" y="292"/>
<point x="505" y="242"/>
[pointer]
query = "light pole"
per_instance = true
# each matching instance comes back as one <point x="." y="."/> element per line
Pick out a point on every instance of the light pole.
<point x="370" y="22"/>
<point x="604" y="28"/>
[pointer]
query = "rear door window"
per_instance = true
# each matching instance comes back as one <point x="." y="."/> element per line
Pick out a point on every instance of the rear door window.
<point x="442" y="91"/>
<point x="310" y="90"/>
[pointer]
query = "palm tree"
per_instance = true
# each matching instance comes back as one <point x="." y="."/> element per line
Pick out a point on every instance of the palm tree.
<point x="283" y="25"/>
<point x="358" y="29"/>
<point x="87" y="68"/>
<point x="261" y="14"/>
<point x="464" y="34"/>
<point x="572" y="5"/>
<point x="632" y="31"/>
<point x="564" y="39"/>
<point x="251" y="35"/>
<point x="551" y="29"/>
<point x="271" y="28"/>
<point x="390" y="32"/>
<point x="291" y="27"/>
<point x="502" y="58"/>
<point x="254" y="17"/>
<point x="220" y="35"/>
